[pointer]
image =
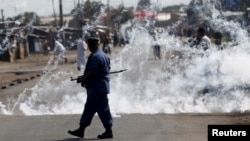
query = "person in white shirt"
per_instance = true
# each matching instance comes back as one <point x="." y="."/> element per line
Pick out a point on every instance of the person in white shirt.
<point x="81" y="49"/>
<point x="59" y="51"/>
<point x="203" y="40"/>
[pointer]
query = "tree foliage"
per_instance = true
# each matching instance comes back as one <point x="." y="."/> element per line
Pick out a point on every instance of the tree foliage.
<point x="92" y="8"/>
<point x="174" y="8"/>
<point x="122" y="14"/>
<point x="143" y="4"/>
<point x="28" y="18"/>
<point x="244" y="4"/>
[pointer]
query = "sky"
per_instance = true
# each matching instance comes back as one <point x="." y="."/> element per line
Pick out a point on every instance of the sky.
<point x="45" y="7"/>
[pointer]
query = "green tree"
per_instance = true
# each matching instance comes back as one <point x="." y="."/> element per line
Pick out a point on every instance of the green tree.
<point x="122" y="14"/>
<point x="244" y="4"/>
<point x="143" y="4"/>
<point x="92" y="9"/>
<point x="127" y="15"/>
<point x="200" y="10"/>
<point x="28" y="18"/>
<point x="174" y="8"/>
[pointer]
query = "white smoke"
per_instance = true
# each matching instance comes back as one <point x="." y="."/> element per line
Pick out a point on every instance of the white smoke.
<point x="185" y="80"/>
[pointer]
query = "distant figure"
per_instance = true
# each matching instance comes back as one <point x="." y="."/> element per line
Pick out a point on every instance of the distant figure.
<point x="12" y="50"/>
<point x="204" y="43"/>
<point x="201" y="41"/>
<point x="81" y="49"/>
<point x="115" y="39"/>
<point x="107" y="44"/>
<point x="219" y="46"/>
<point x="218" y="42"/>
<point x="59" y="51"/>
<point x="157" y="49"/>
<point x="46" y="47"/>
<point x="189" y="32"/>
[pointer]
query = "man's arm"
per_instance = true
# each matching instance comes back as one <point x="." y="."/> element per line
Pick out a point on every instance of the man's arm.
<point x="86" y="77"/>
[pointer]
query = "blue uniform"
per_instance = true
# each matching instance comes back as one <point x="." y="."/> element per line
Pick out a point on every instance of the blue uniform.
<point x="97" y="89"/>
<point x="100" y="64"/>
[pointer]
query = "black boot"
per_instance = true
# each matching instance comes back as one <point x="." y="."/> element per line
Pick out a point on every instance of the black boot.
<point x="106" y="135"/>
<point x="78" y="132"/>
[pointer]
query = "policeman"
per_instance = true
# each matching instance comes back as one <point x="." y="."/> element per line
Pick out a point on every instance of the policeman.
<point x="96" y="81"/>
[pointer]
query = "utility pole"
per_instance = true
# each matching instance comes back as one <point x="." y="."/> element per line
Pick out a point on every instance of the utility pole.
<point x="54" y="12"/>
<point x="122" y="4"/>
<point x="2" y="18"/>
<point x="61" y="13"/>
<point x="15" y="10"/>
<point x="74" y="4"/>
<point x="108" y="13"/>
<point x="61" y="21"/>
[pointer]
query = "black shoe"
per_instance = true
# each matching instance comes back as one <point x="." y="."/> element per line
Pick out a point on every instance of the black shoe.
<point x="78" y="132"/>
<point x="106" y="135"/>
<point x="66" y="60"/>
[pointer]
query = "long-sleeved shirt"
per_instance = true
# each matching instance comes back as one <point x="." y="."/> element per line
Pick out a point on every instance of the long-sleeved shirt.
<point x="81" y="48"/>
<point x="59" y="47"/>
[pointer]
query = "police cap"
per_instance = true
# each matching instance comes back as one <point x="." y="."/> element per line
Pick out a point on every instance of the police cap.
<point x="93" y="40"/>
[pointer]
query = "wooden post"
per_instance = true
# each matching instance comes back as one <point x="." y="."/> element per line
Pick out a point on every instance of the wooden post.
<point x="61" y="13"/>
<point x="2" y="18"/>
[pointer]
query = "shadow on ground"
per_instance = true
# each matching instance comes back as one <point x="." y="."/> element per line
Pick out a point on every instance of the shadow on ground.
<point x="78" y="139"/>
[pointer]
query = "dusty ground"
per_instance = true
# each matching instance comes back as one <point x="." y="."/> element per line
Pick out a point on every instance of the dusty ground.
<point x="31" y="67"/>
<point x="28" y="68"/>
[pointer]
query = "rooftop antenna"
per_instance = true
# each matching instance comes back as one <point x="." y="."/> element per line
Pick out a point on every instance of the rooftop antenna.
<point x="122" y="3"/>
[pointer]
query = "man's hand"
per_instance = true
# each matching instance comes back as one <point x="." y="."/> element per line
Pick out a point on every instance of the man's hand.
<point x="86" y="77"/>
<point x="83" y="84"/>
<point x="79" y="79"/>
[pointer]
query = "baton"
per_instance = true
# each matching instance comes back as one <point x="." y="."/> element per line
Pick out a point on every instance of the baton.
<point x="112" y="72"/>
<point x="118" y="71"/>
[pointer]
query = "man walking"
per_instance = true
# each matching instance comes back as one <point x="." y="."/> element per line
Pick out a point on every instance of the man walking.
<point x="96" y="81"/>
<point x="59" y="51"/>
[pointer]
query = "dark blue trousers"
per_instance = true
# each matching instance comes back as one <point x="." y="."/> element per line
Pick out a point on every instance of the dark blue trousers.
<point x="97" y="103"/>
